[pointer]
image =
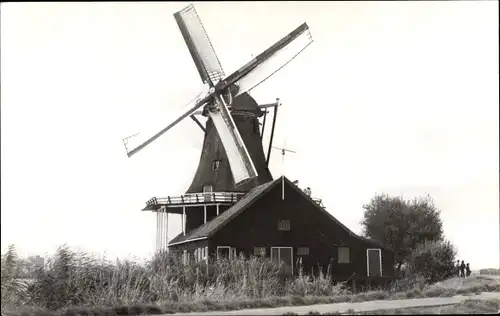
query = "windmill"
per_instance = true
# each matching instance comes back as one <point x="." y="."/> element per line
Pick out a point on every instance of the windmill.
<point x="216" y="103"/>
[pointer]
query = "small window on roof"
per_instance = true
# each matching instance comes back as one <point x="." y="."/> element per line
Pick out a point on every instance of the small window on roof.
<point x="215" y="164"/>
<point x="284" y="224"/>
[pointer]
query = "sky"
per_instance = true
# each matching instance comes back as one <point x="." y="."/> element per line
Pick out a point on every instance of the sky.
<point x="394" y="97"/>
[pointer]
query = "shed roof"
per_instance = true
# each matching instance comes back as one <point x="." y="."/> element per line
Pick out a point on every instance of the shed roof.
<point x="212" y="226"/>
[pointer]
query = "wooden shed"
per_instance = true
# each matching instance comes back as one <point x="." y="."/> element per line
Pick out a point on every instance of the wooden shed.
<point x="278" y="220"/>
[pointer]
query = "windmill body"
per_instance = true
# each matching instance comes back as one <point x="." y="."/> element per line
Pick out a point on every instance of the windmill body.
<point x="213" y="168"/>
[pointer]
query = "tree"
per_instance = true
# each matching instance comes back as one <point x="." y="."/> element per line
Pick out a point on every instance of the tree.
<point x="434" y="260"/>
<point x="400" y="224"/>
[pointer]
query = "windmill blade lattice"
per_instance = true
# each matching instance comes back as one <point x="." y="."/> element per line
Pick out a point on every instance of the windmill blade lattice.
<point x="199" y="45"/>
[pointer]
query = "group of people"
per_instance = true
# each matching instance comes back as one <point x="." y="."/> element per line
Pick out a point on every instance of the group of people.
<point x="307" y="190"/>
<point x="463" y="270"/>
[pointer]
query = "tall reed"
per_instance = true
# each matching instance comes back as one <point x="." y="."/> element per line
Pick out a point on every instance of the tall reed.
<point x="76" y="279"/>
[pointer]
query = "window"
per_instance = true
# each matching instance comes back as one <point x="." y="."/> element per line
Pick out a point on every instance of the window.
<point x="185" y="257"/>
<point x="343" y="255"/>
<point x="259" y="251"/>
<point x="215" y="164"/>
<point x="284" y="224"/>
<point x="226" y="252"/>
<point x="200" y="254"/>
<point x="303" y="251"/>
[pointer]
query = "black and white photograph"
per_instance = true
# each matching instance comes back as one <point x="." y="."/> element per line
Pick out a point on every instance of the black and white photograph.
<point x="250" y="158"/>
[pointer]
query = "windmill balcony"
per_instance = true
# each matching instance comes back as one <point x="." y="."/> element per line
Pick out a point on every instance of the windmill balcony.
<point x="193" y="199"/>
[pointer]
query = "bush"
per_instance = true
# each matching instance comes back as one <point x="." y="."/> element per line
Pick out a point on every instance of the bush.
<point x="491" y="271"/>
<point x="434" y="261"/>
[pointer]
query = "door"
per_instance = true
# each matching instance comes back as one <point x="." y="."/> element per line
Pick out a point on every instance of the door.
<point x="283" y="256"/>
<point x="374" y="262"/>
<point x="223" y="252"/>
<point x="226" y="252"/>
<point x="207" y="192"/>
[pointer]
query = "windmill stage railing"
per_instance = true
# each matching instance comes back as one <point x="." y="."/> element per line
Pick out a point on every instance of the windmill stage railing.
<point x="319" y="201"/>
<point x="155" y="203"/>
<point x="194" y="198"/>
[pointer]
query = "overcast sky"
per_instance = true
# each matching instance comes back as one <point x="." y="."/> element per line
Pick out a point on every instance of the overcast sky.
<point x="396" y="97"/>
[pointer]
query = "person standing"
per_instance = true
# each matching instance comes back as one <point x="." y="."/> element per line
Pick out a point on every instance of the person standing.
<point x="307" y="191"/>
<point x="457" y="268"/>
<point x="467" y="269"/>
<point x="462" y="269"/>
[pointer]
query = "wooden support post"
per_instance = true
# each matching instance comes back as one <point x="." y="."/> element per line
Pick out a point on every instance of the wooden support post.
<point x="204" y="214"/>
<point x="166" y="232"/>
<point x="183" y="220"/>
<point x="263" y="125"/>
<point x="157" y="231"/>
<point x="217" y="209"/>
<point x="272" y="132"/>
<point x="199" y="123"/>
<point x="161" y="228"/>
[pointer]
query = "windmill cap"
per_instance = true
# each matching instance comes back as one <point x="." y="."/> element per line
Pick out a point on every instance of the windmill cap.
<point x="244" y="102"/>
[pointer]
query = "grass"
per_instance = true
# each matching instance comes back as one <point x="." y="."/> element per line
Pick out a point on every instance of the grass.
<point x="75" y="284"/>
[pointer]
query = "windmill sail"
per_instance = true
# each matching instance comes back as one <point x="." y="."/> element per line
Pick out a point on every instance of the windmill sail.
<point x="246" y="78"/>
<point x="271" y="60"/>
<point x="199" y="45"/>
<point x="135" y="144"/>
<point x="240" y="162"/>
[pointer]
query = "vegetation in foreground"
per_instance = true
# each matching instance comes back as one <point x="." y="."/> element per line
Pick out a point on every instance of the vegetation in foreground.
<point x="74" y="283"/>
<point x="490" y="271"/>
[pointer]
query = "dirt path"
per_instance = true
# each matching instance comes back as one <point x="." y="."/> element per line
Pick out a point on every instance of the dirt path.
<point x="358" y="307"/>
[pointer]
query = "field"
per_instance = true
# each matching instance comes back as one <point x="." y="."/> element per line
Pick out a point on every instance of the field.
<point x="74" y="283"/>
